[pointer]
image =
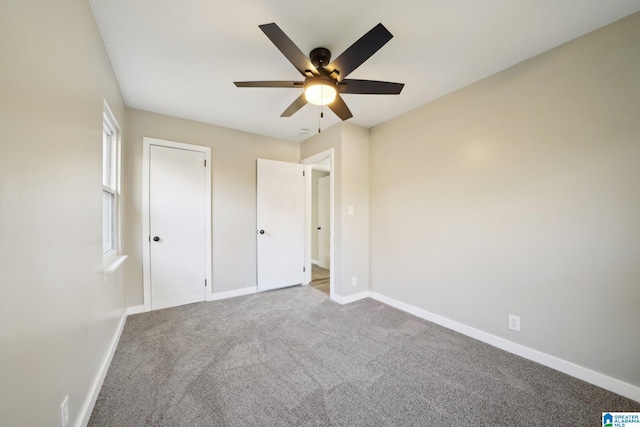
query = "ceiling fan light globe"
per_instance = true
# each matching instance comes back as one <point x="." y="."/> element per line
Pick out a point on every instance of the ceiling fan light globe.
<point x="320" y="93"/>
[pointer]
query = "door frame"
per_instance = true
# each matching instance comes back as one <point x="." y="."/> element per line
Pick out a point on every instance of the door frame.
<point x="308" y="162"/>
<point x="146" y="233"/>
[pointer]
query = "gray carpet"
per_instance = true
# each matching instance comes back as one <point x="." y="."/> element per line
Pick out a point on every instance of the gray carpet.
<point x="293" y="357"/>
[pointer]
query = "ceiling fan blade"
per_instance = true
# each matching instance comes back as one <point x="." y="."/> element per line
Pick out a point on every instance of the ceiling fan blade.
<point x="270" y="84"/>
<point x="360" y="51"/>
<point x="300" y="102"/>
<point x="370" y="87"/>
<point x="289" y="49"/>
<point x="340" y="108"/>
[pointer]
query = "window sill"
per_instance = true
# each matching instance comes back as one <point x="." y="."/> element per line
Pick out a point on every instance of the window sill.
<point x="112" y="266"/>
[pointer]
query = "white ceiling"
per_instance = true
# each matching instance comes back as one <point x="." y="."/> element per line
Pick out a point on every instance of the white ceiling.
<point x="181" y="58"/>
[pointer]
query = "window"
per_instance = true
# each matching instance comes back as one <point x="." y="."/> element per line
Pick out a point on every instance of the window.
<point x="110" y="184"/>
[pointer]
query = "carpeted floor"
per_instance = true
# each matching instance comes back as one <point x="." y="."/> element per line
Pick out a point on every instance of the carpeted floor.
<point x="320" y="278"/>
<point x="294" y="357"/>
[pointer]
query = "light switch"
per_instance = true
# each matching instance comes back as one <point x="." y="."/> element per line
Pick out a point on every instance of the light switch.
<point x="350" y="209"/>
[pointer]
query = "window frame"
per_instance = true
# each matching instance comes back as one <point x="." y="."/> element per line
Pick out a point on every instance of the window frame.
<point x="111" y="184"/>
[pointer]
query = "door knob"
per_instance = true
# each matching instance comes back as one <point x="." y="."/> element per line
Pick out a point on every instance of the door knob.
<point x="261" y="231"/>
<point x="156" y="238"/>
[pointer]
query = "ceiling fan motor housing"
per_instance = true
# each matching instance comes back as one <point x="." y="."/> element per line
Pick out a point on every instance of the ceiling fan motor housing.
<point x="320" y="57"/>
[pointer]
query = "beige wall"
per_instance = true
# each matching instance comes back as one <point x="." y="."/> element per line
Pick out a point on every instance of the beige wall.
<point x="351" y="187"/>
<point x="355" y="193"/>
<point x="234" y="155"/>
<point x="57" y="316"/>
<point x="520" y="194"/>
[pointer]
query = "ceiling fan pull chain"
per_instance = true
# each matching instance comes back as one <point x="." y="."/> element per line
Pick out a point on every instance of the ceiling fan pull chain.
<point x="321" y="109"/>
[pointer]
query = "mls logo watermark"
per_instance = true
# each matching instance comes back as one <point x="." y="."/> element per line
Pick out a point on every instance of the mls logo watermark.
<point x="620" y="419"/>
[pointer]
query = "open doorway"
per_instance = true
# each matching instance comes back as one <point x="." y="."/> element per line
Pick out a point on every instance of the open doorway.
<point x="320" y="221"/>
<point x="320" y="226"/>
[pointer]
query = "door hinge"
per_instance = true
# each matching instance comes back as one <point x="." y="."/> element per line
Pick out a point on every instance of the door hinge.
<point x="149" y="238"/>
<point x="205" y="283"/>
<point x="302" y="173"/>
<point x="304" y="269"/>
<point x="205" y="163"/>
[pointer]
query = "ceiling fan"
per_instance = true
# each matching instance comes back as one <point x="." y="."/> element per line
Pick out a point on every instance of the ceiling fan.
<point x="324" y="81"/>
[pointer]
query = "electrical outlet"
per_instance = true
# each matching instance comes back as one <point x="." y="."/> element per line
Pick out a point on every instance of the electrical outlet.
<point x="354" y="281"/>
<point x="64" y="412"/>
<point x="514" y="323"/>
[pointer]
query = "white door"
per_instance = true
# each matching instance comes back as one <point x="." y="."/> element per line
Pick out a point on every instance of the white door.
<point x="323" y="222"/>
<point x="177" y="226"/>
<point x="280" y="212"/>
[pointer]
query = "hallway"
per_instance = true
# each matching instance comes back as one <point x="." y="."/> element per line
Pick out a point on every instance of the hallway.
<point x="320" y="278"/>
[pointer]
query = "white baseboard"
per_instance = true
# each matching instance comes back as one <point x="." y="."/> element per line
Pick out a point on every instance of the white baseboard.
<point x="620" y="387"/>
<point x="136" y="309"/>
<point x="90" y="400"/>
<point x="230" y="294"/>
<point x="350" y="298"/>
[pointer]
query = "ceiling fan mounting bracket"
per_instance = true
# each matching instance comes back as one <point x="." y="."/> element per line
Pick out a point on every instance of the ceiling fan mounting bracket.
<point x="320" y="57"/>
